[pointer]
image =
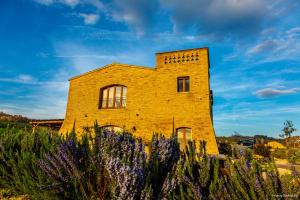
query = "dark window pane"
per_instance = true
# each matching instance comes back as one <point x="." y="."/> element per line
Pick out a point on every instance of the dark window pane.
<point x="187" y="85"/>
<point x="180" y="85"/>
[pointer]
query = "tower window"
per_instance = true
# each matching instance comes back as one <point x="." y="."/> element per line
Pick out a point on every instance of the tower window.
<point x="113" y="97"/>
<point x="183" y="84"/>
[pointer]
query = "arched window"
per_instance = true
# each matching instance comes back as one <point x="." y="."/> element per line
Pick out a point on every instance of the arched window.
<point x="112" y="128"/>
<point x="113" y="97"/>
<point x="184" y="135"/>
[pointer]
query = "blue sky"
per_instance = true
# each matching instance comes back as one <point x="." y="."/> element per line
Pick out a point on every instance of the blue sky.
<point x="254" y="49"/>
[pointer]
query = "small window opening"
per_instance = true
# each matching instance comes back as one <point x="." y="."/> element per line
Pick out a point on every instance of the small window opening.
<point x="183" y="84"/>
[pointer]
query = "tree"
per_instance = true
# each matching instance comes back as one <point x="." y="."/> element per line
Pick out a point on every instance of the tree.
<point x="288" y="129"/>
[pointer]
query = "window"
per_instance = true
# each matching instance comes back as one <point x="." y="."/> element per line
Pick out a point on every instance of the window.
<point x="113" y="97"/>
<point x="184" y="135"/>
<point x="183" y="84"/>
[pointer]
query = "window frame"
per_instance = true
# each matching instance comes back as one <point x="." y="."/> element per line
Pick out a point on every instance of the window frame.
<point x="184" y="84"/>
<point x="108" y="88"/>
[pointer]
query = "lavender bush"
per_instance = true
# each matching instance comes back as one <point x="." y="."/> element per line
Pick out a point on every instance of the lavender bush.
<point x="111" y="165"/>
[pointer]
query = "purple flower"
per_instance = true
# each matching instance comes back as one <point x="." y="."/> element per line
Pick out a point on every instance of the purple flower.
<point x="169" y="185"/>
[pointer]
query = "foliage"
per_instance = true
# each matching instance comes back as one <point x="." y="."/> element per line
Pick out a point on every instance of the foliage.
<point x="225" y="148"/>
<point x="115" y="166"/>
<point x="17" y="125"/>
<point x="19" y="153"/>
<point x="75" y="170"/>
<point x="262" y="150"/>
<point x="293" y="155"/>
<point x="288" y="129"/>
<point x="239" y="152"/>
<point x="280" y="153"/>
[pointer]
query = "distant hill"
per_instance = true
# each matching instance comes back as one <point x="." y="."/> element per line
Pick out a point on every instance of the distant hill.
<point x="13" y="118"/>
<point x="256" y="138"/>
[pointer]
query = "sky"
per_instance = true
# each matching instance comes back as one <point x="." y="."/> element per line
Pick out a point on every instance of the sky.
<point x="254" y="52"/>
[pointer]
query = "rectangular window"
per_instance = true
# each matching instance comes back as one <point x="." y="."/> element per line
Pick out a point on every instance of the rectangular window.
<point x="183" y="84"/>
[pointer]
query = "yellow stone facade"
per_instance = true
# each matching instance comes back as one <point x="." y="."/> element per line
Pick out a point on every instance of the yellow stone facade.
<point x="152" y="102"/>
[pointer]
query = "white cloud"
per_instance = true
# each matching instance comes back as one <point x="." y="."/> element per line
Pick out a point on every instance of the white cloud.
<point x="96" y="3"/>
<point x="137" y="13"/>
<point x="271" y="92"/>
<point x="248" y="117"/>
<point x="81" y="58"/>
<point x="284" y="45"/>
<point x="45" y="2"/>
<point x="253" y="111"/>
<point x="268" y="45"/>
<point x="293" y="32"/>
<point x="71" y="3"/>
<point x="44" y="107"/>
<point x="89" y="19"/>
<point x="22" y="78"/>
<point x="25" y="78"/>
<point x="220" y="18"/>
<point x="44" y="99"/>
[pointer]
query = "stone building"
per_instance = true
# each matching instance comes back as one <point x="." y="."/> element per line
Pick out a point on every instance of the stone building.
<point x="175" y="95"/>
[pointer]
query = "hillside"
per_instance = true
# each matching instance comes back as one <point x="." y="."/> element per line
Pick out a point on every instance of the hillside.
<point x="13" y="118"/>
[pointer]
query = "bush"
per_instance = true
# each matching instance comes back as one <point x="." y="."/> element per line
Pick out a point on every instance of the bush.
<point x="115" y="166"/>
<point x="19" y="154"/>
<point x="225" y="148"/>
<point x="262" y="150"/>
<point x="280" y="153"/>
<point x="293" y="155"/>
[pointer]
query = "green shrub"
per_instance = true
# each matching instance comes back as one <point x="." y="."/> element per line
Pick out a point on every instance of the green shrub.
<point x="293" y="155"/>
<point x="19" y="153"/>
<point x="280" y="153"/>
<point x="262" y="150"/>
<point x="225" y="148"/>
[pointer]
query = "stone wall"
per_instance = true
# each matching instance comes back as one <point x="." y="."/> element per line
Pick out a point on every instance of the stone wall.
<point x="152" y="97"/>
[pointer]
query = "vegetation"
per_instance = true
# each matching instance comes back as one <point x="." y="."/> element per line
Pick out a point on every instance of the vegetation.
<point x="293" y="155"/>
<point x="280" y="153"/>
<point x="225" y="148"/>
<point x="262" y="150"/>
<point x="288" y="129"/>
<point x="106" y="165"/>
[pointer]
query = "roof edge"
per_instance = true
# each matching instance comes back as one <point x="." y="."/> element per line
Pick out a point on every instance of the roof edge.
<point x="109" y="65"/>
<point x="182" y="50"/>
